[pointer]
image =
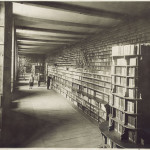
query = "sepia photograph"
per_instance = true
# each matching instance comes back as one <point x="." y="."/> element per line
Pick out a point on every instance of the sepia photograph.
<point x="75" y="74"/>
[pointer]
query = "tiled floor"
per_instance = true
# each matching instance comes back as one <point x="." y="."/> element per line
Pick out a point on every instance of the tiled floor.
<point x="44" y="118"/>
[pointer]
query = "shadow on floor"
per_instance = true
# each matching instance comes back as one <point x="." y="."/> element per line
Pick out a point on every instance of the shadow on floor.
<point x="24" y="129"/>
<point x="23" y="94"/>
<point x="23" y="83"/>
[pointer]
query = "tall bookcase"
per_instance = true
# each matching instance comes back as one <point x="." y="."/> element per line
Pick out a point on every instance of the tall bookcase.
<point x="128" y="100"/>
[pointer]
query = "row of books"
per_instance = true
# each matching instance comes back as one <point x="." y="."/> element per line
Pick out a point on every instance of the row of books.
<point x="100" y="64"/>
<point x="94" y="81"/>
<point x="120" y="62"/>
<point x="101" y="60"/>
<point x="125" y="62"/>
<point x="100" y="68"/>
<point x="133" y="93"/>
<point x="132" y="121"/>
<point x="92" y="86"/>
<point x="132" y="135"/>
<point x="98" y="82"/>
<point x="129" y="71"/>
<point x="130" y="82"/>
<point x="95" y="103"/>
<point x="98" y="88"/>
<point x="130" y="106"/>
<point x="125" y="50"/>
<point x="99" y="95"/>
<point x="97" y="74"/>
<point x="119" y="80"/>
<point x="118" y="128"/>
<point x="120" y="71"/>
<point x="102" y="96"/>
<point x="125" y="92"/>
<point x="120" y="115"/>
<point x="85" y="98"/>
<point x="99" y="53"/>
<point x="119" y="90"/>
<point x="103" y="78"/>
<point x="118" y="102"/>
<point x="62" y="81"/>
<point x="102" y="56"/>
<point x="94" y="110"/>
<point x="91" y="106"/>
<point x="76" y="77"/>
<point x="85" y="89"/>
<point x="91" y="92"/>
<point x="132" y="71"/>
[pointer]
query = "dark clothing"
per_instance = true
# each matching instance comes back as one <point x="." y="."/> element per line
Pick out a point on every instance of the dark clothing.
<point x="31" y="83"/>
<point x="48" y="86"/>
<point x="38" y="83"/>
<point x="48" y="82"/>
<point x="38" y="78"/>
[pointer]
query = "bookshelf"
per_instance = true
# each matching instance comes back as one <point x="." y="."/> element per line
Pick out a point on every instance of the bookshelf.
<point x="127" y="100"/>
<point x="88" y="91"/>
<point x="125" y="91"/>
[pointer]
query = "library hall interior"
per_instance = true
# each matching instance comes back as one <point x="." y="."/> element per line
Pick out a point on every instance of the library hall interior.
<point x="75" y="74"/>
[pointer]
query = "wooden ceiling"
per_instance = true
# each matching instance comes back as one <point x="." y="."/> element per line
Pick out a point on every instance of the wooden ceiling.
<point x="43" y="27"/>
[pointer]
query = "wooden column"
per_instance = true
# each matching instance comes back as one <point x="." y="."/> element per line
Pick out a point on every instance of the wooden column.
<point x="7" y="55"/>
<point x="16" y="61"/>
<point x="1" y="57"/>
<point x="1" y="48"/>
<point x="6" y="47"/>
<point x="13" y="57"/>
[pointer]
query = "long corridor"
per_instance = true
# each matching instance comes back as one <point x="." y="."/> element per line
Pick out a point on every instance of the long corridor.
<point x="44" y="118"/>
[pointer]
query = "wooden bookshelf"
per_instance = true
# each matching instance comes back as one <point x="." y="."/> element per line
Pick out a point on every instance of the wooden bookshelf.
<point x="129" y="83"/>
<point x="125" y="76"/>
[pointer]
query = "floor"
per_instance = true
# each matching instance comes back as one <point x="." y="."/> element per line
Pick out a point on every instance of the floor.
<point x="44" y="118"/>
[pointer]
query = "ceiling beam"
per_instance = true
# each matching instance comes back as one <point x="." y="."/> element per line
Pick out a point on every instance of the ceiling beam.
<point x="56" y="22"/>
<point x="38" y="47"/>
<point x="42" y="44"/>
<point x="22" y="52"/>
<point x="52" y="30"/>
<point x="35" y="50"/>
<point x="79" y="9"/>
<point x="39" y="38"/>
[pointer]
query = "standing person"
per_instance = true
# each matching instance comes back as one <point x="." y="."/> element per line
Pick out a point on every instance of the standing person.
<point x="48" y="82"/>
<point x="52" y="79"/>
<point x="38" y="78"/>
<point x="31" y="81"/>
